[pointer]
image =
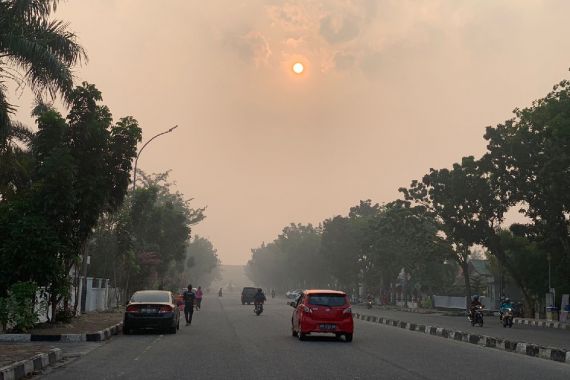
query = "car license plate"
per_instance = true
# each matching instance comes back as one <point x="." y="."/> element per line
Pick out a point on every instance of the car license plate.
<point x="327" y="326"/>
<point x="148" y="310"/>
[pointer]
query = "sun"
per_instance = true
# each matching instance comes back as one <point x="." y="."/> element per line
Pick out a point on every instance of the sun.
<point x="298" y="68"/>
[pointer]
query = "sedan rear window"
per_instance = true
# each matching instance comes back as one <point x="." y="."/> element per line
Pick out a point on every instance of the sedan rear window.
<point x="327" y="299"/>
<point x="151" y="297"/>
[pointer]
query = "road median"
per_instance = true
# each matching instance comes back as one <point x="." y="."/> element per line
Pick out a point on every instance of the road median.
<point x="524" y="348"/>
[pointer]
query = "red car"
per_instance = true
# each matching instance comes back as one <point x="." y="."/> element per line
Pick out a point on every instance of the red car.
<point x="322" y="311"/>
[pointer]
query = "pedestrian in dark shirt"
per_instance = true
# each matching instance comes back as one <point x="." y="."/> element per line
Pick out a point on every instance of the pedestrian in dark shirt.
<point x="189" y="298"/>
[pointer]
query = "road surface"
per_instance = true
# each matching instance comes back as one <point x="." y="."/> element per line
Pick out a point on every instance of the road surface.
<point x="228" y="341"/>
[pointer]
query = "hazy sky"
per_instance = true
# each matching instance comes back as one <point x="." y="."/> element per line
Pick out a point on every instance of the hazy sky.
<point x="390" y="89"/>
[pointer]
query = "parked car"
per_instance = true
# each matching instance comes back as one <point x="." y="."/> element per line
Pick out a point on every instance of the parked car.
<point x="322" y="311"/>
<point x="293" y="294"/>
<point x="248" y="295"/>
<point x="152" y="309"/>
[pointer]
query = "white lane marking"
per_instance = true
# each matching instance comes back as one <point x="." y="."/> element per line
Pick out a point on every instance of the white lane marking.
<point x="147" y="348"/>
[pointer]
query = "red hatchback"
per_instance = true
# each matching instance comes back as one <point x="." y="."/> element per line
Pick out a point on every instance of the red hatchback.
<point x="322" y="311"/>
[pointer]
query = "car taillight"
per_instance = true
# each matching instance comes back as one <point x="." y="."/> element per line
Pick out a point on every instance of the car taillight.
<point x="348" y="310"/>
<point x="307" y="309"/>
<point x="133" y="309"/>
<point x="165" y="309"/>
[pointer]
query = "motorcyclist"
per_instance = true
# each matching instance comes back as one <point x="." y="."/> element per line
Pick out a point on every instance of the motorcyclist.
<point x="369" y="300"/>
<point x="506" y="304"/>
<point x="474" y="303"/>
<point x="259" y="298"/>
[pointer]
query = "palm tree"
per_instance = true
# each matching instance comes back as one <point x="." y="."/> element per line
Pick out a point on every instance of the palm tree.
<point x="34" y="51"/>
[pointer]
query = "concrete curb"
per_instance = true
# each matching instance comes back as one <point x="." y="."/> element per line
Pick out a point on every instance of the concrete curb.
<point x="549" y="353"/>
<point x="36" y="363"/>
<point x="459" y="313"/>
<point x="98" y="336"/>
<point x="539" y="323"/>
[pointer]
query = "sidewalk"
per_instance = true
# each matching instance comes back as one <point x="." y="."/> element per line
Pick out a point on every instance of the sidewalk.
<point x="526" y="333"/>
<point x="86" y="323"/>
<point x="19" y="357"/>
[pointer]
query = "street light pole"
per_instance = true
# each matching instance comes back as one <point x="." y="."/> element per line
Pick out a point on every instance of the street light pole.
<point x="140" y="151"/>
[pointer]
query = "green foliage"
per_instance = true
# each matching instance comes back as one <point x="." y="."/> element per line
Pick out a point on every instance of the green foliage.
<point x="368" y="247"/>
<point x="292" y="260"/>
<point x="17" y="308"/>
<point x="530" y="157"/>
<point x="145" y="242"/>
<point x="28" y="248"/>
<point x="202" y="264"/>
<point x="79" y="170"/>
<point x="4" y="313"/>
<point x="40" y="52"/>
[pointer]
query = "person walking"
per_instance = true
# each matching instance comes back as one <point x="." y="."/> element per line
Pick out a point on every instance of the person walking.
<point x="199" y="295"/>
<point x="189" y="298"/>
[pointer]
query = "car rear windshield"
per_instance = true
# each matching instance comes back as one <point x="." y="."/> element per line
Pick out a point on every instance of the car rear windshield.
<point x="150" y="297"/>
<point x="327" y="299"/>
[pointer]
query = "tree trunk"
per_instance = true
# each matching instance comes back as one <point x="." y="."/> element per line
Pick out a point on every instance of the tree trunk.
<point x="53" y="301"/>
<point x="497" y="249"/>
<point x="465" y="269"/>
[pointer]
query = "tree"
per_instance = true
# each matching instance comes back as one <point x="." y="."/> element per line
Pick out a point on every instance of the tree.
<point x="339" y="248"/>
<point x="404" y="236"/>
<point x="530" y="157"/>
<point x="145" y="242"/>
<point x="292" y="260"/>
<point x="37" y="51"/>
<point x="202" y="263"/>
<point x="79" y="170"/>
<point x="462" y="203"/>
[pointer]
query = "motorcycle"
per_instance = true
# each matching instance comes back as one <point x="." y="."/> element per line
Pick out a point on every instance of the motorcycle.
<point x="258" y="308"/>
<point x="476" y="317"/>
<point x="507" y="317"/>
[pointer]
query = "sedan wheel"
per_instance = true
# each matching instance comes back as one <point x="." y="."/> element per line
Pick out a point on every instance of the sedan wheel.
<point x="301" y="335"/>
<point x="348" y="337"/>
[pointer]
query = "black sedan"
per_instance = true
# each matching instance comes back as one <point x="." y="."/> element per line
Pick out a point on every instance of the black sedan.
<point x="152" y="309"/>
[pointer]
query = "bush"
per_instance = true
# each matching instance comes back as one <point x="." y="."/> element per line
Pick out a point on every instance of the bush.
<point x="4" y="313"/>
<point x="17" y="310"/>
<point x="426" y="303"/>
<point x="64" y="314"/>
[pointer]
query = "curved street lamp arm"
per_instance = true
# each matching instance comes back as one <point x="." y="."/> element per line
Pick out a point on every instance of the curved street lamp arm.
<point x="142" y="148"/>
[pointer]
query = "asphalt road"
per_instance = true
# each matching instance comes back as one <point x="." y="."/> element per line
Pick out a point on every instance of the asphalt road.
<point x="549" y="337"/>
<point x="228" y="341"/>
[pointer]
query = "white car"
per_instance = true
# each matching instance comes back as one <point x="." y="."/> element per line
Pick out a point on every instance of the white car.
<point x="294" y="294"/>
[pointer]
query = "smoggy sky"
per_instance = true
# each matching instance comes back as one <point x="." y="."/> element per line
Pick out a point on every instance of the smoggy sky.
<point x="390" y="89"/>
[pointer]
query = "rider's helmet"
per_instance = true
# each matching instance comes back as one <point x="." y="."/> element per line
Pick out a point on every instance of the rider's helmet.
<point x="507" y="300"/>
<point x="259" y="290"/>
<point x="476" y="297"/>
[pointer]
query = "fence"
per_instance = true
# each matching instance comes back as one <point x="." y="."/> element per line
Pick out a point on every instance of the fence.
<point x="447" y="302"/>
<point x="98" y="295"/>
